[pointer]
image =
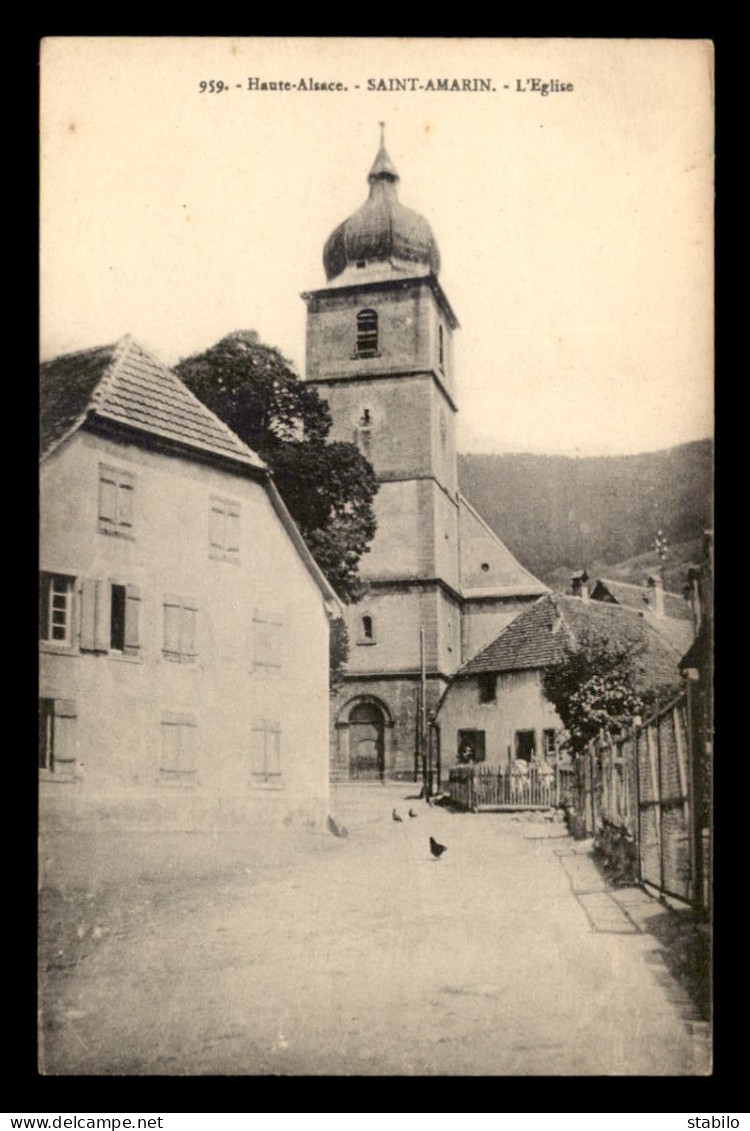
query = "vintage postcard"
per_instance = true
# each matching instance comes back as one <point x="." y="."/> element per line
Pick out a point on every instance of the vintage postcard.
<point x="376" y="556"/>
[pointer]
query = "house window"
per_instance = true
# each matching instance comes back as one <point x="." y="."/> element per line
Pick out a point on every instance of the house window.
<point x="115" y="501"/>
<point x="367" y="333"/>
<point x="224" y="530"/>
<point x="549" y="744"/>
<point x="366" y="630"/>
<point x="110" y="617"/>
<point x="441" y="346"/>
<point x="56" y="608"/>
<point x="177" y="765"/>
<point x="267" y="643"/>
<point x="57" y="737"/>
<point x="117" y="619"/>
<point x="180" y="624"/>
<point x="265" y="752"/>
<point x="525" y="745"/>
<point x="471" y="746"/>
<point x="487" y="687"/>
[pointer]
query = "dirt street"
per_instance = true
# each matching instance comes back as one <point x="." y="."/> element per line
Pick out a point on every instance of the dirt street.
<point x="301" y="953"/>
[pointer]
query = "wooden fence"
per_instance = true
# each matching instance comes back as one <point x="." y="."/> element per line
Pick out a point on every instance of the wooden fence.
<point x="522" y="786"/>
<point x="643" y="783"/>
<point x="646" y="787"/>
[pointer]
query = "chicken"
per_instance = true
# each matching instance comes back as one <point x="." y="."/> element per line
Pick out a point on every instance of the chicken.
<point x="412" y="813"/>
<point x="395" y="816"/>
<point x="436" y="849"/>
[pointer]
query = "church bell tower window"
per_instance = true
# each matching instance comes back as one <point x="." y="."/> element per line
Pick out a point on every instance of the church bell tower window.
<point x="367" y="333"/>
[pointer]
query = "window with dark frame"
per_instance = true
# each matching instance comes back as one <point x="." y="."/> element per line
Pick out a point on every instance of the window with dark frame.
<point x="471" y="746"/>
<point x="56" y="608"/>
<point x="110" y="617"/>
<point x="117" y="619"/>
<point x="549" y="744"/>
<point x="487" y="687"/>
<point x="367" y="333"/>
<point x="366" y="629"/>
<point x="525" y="745"/>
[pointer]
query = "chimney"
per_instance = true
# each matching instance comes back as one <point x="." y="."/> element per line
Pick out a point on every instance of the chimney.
<point x="579" y="586"/>
<point x="656" y="584"/>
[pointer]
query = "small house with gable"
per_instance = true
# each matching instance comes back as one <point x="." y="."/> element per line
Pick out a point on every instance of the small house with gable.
<point x="495" y="709"/>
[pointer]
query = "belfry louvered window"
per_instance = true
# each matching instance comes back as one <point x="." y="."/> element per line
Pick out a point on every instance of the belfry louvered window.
<point x="367" y="333"/>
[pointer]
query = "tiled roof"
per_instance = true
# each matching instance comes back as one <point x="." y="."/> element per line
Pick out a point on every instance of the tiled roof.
<point x="125" y="384"/>
<point x="641" y="597"/>
<point x="66" y="387"/>
<point x="537" y="638"/>
<point x="527" y="642"/>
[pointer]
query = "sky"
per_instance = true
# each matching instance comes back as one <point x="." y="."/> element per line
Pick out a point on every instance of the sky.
<point x="575" y="227"/>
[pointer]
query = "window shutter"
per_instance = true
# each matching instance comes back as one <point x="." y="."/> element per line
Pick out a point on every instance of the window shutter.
<point x="275" y="641"/>
<point x="172" y="616"/>
<point x="88" y="614"/>
<point x="189" y="614"/>
<point x="132" y="619"/>
<point x="216" y="530"/>
<point x="258" y="750"/>
<point x="260" y="640"/>
<point x="170" y="746"/>
<point x="233" y="534"/>
<point x="188" y="746"/>
<point x="102" y="616"/>
<point x="125" y="504"/>
<point x="107" y="498"/>
<point x="65" y="736"/>
<point x="273" y="750"/>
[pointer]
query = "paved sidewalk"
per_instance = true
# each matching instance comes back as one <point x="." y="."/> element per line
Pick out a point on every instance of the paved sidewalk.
<point x="507" y="956"/>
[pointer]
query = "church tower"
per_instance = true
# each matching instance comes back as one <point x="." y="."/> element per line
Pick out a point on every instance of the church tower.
<point x="380" y="351"/>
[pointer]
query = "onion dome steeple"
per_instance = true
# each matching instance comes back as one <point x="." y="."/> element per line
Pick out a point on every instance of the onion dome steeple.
<point x="382" y="231"/>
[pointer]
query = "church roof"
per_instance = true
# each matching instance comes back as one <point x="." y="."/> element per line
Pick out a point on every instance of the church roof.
<point x="123" y="383"/>
<point x="537" y="638"/>
<point x="382" y="231"/>
<point x="488" y="569"/>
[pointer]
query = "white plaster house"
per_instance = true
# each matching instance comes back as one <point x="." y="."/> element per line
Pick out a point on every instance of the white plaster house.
<point x="183" y="624"/>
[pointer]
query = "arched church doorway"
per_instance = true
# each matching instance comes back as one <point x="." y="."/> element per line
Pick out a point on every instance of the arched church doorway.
<point x="366" y="741"/>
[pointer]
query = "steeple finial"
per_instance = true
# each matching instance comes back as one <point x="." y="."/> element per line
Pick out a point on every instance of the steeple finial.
<point x="383" y="168"/>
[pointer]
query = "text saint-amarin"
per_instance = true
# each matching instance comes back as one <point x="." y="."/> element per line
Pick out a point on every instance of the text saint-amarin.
<point x="396" y="84"/>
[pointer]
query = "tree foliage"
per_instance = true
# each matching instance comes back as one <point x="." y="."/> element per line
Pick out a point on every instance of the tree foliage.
<point x="328" y="487"/>
<point x="593" y="686"/>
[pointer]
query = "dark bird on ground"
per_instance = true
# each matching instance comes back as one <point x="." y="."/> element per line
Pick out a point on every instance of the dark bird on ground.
<point x="395" y="816"/>
<point x="412" y="813"/>
<point x="436" y="849"/>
